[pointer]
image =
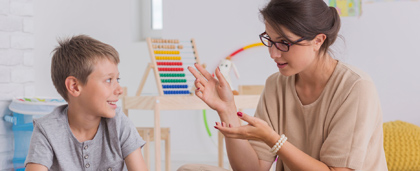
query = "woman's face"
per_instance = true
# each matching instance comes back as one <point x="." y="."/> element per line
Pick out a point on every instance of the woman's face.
<point x="299" y="57"/>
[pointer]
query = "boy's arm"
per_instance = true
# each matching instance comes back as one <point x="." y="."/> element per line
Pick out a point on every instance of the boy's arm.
<point x="135" y="161"/>
<point x="36" y="167"/>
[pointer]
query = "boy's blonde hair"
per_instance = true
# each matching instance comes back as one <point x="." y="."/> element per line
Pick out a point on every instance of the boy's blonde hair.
<point x="76" y="57"/>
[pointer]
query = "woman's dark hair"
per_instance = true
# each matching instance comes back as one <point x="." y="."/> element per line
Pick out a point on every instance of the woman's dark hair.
<point x="305" y="18"/>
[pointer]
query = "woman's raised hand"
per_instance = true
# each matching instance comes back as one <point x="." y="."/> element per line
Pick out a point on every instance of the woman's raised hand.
<point x="216" y="93"/>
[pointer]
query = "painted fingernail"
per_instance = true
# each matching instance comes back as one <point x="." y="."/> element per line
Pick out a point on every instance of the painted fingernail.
<point x="216" y="127"/>
<point x="230" y="126"/>
<point x="198" y="88"/>
<point x="215" y="122"/>
<point x="239" y="114"/>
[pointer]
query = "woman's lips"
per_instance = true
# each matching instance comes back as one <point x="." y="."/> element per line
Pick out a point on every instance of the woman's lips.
<point x="281" y="65"/>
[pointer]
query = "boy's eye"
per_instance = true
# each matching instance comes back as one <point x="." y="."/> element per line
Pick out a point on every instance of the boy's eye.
<point x="108" y="80"/>
<point x="118" y="80"/>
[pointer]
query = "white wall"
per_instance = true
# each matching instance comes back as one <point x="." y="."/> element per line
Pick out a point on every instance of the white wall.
<point x="16" y="66"/>
<point x="383" y="42"/>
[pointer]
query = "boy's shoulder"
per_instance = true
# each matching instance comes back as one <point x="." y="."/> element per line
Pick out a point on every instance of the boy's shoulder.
<point x="57" y="116"/>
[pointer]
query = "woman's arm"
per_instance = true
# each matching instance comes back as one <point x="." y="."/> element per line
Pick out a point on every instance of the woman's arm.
<point x="216" y="93"/>
<point x="257" y="129"/>
<point x="135" y="161"/>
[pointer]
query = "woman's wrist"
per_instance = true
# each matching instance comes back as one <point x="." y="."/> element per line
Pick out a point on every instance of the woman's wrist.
<point x="271" y="138"/>
<point x="229" y="116"/>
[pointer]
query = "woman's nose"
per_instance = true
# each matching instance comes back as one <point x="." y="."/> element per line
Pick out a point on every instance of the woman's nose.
<point x="274" y="52"/>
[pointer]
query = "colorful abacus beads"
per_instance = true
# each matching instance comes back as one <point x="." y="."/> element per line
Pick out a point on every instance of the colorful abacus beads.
<point x="173" y="80"/>
<point x="175" y="41"/>
<point x="167" y="92"/>
<point x="167" y="53"/>
<point x="169" y="63"/>
<point x="173" y="52"/>
<point x="171" y="69"/>
<point x="172" y="75"/>
<point x="168" y="58"/>
<point x="175" y="86"/>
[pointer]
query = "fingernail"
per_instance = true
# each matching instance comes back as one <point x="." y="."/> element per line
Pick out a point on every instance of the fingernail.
<point x="198" y="88"/>
<point x="239" y="114"/>
<point x="218" y="68"/>
<point x="230" y="126"/>
<point x="216" y="127"/>
<point x="215" y="123"/>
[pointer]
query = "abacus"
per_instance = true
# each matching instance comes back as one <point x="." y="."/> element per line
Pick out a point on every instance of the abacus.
<point x="169" y="58"/>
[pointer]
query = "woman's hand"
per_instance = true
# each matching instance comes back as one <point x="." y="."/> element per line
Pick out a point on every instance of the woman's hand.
<point x="216" y="93"/>
<point x="256" y="129"/>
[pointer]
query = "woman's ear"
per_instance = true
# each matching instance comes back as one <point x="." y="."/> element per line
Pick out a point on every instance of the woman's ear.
<point x="318" y="41"/>
<point x="73" y="86"/>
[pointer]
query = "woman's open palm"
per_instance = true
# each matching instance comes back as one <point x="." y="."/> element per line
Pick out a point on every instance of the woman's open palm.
<point x="216" y="93"/>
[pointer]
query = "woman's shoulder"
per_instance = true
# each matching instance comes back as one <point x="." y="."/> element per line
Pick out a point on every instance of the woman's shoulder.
<point x="352" y="73"/>
<point x="349" y="78"/>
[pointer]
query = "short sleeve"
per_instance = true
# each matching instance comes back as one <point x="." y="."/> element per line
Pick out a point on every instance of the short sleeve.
<point x="40" y="151"/>
<point x="351" y="129"/>
<point x="129" y="137"/>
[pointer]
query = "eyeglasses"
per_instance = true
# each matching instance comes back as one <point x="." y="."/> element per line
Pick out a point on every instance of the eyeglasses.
<point x="282" y="46"/>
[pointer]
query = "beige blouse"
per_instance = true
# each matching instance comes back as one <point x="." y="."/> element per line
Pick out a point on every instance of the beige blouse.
<point x="342" y="128"/>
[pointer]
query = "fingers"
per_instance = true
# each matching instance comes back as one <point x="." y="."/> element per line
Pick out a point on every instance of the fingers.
<point x="196" y="74"/>
<point x="251" y="120"/>
<point x="203" y="71"/>
<point x="229" y="132"/>
<point x="199" y="94"/>
<point x="199" y="86"/>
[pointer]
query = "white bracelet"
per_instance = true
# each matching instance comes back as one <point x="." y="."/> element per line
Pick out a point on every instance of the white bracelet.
<point x="279" y="144"/>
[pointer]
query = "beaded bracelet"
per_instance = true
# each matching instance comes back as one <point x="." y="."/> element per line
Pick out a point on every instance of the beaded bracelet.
<point x="279" y="143"/>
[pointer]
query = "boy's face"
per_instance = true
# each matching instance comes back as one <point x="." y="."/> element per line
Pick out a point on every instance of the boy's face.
<point x="100" y="93"/>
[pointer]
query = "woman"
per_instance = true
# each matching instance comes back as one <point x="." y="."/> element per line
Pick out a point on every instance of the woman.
<point x="316" y="113"/>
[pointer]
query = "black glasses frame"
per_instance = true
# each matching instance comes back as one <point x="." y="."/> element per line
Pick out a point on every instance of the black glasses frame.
<point x="276" y="44"/>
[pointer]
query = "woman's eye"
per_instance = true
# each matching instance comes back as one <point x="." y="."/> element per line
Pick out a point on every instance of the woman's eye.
<point x="118" y="80"/>
<point x="108" y="80"/>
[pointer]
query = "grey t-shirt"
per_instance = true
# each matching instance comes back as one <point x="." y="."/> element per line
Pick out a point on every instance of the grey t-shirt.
<point x="54" y="145"/>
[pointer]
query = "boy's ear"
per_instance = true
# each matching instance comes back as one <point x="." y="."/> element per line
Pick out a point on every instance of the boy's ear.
<point x="73" y="86"/>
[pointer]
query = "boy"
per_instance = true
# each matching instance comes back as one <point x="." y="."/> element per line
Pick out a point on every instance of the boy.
<point x="91" y="132"/>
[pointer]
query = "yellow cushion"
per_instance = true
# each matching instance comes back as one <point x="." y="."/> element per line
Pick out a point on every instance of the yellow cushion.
<point x="402" y="146"/>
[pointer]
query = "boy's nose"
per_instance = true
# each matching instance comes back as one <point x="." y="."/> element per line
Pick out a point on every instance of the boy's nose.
<point x="119" y="90"/>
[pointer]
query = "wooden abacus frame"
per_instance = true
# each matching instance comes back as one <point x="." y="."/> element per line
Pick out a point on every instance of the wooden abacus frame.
<point x="153" y="64"/>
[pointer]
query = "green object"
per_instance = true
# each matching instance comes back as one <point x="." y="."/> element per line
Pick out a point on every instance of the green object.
<point x="172" y="75"/>
<point x="174" y="80"/>
<point x="205" y="123"/>
<point x="333" y="3"/>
